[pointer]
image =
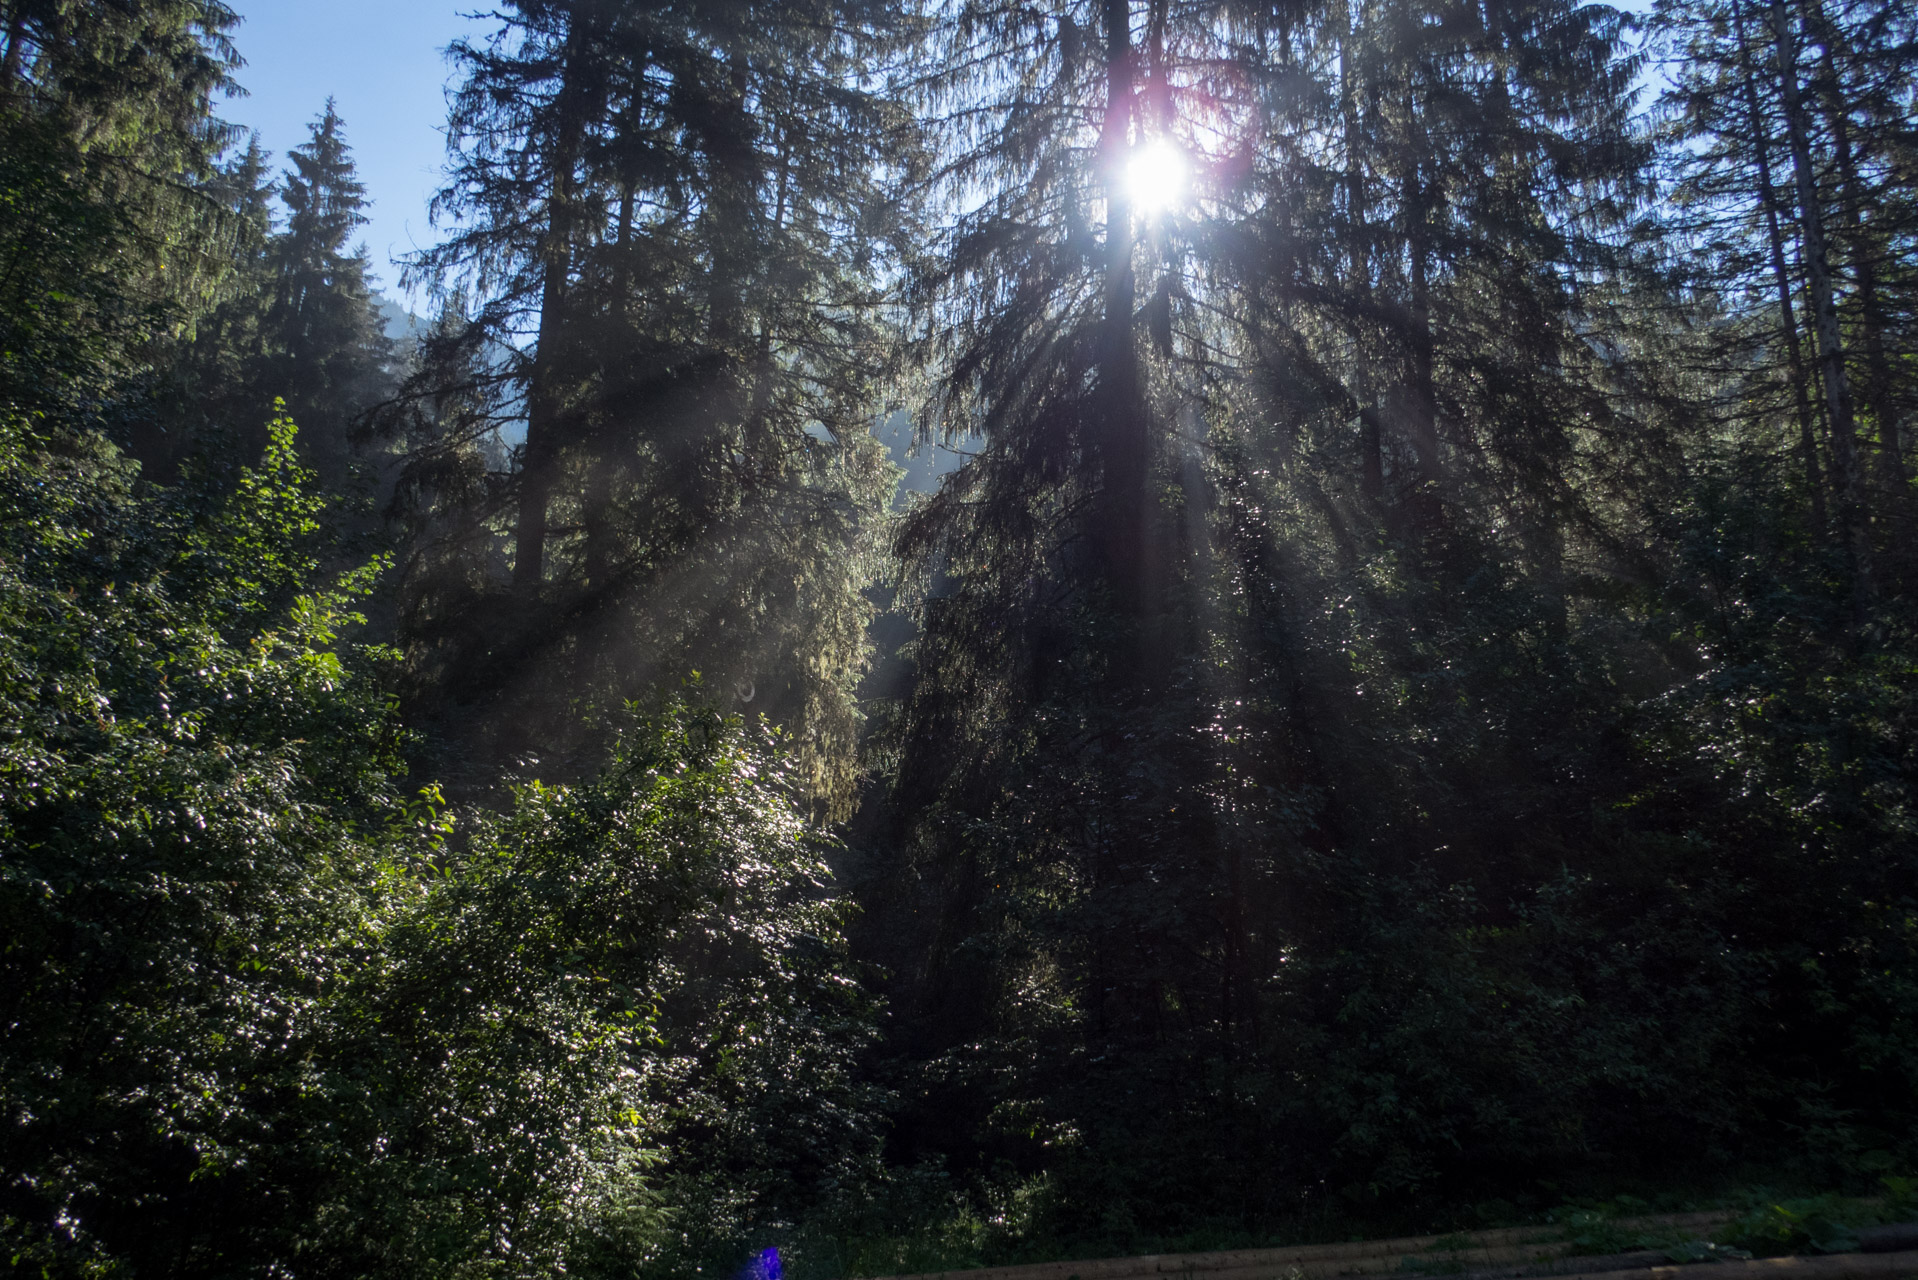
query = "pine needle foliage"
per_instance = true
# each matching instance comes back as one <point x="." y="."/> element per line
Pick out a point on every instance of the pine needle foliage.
<point x="669" y="240"/>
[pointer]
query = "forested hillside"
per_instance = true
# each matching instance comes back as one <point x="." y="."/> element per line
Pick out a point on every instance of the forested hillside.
<point x="1404" y="715"/>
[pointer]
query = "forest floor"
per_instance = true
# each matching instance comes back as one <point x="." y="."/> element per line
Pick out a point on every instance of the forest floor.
<point x="1831" y="1236"/>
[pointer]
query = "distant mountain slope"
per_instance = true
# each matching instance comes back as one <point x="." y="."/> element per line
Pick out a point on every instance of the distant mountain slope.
<point x="926" y="465"/>
<point x="402" y="326"/>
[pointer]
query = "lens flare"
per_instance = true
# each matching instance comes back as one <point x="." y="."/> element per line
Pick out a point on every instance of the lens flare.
<point x="764" y="1267"/>
<point x="1155" y="176"/>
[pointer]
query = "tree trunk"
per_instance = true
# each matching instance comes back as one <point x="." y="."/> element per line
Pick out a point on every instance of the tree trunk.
<point x="1781" y="278"/>
<point x="1852" y="511"/>
<point x="732" y="210"/>
<point x="1423" y="396"/>
<point x="1420" y="398"/>
<point x="544" y="400"/>
<point x="1122" y="441"/>
<point x="1864" y="270"/>
<point x="610" y="454"/>
<point x="13" y="61"/>
<point x="597" y="513"/>
<point x="1359" y="265"/>
<point x="756" y="418"/>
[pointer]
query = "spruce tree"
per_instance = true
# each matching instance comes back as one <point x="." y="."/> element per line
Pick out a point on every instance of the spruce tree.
<point x="1036" y="879"/>
<point x="668" y="248"/>
<point x="207" y="398"/>
<point x="1356" y="362"/>
<point x="108" y="144"/>
<point x="323" y="348"/>
<point x="1788" y="113"/>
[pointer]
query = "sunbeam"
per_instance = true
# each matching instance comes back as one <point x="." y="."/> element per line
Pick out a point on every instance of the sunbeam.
<point x="1155" y="176"/>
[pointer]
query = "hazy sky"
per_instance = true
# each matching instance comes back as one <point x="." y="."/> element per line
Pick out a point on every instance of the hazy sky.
<point x="382" y="60"/>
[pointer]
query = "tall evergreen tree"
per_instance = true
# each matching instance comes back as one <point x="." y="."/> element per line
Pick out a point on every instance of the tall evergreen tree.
<point x="1036" y="881"/>
<point x="208" y="393"/>
<point x="108" y="143"/>
<point x="669" y="223"/>
<point x="1789" y="117"/>
<point x="323" y="348"/>
<point x="1144" y="763"/>
<point x="298" y="323"/>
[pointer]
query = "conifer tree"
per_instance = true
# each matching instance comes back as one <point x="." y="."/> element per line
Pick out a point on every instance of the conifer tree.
<point x="669" y="231"/>
<point x="322" y="345"/>
<point x="1130" y="784"/>
<point x="208" y="395"/>
<point x="1039" y="884"/>
<point x="1788" y="115"/>
<point x="108" y="142"/>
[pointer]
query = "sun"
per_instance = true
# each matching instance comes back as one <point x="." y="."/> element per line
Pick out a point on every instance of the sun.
<point x="1155" y="176"/>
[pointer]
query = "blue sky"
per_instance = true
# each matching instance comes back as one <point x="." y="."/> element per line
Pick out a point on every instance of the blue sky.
<point x="382" y="60"/>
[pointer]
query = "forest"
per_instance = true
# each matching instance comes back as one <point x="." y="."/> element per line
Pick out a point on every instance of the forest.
<point x="974" y="631"/>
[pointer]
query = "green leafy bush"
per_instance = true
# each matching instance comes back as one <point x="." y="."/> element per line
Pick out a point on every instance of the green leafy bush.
<point x="261" y="1011"/>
